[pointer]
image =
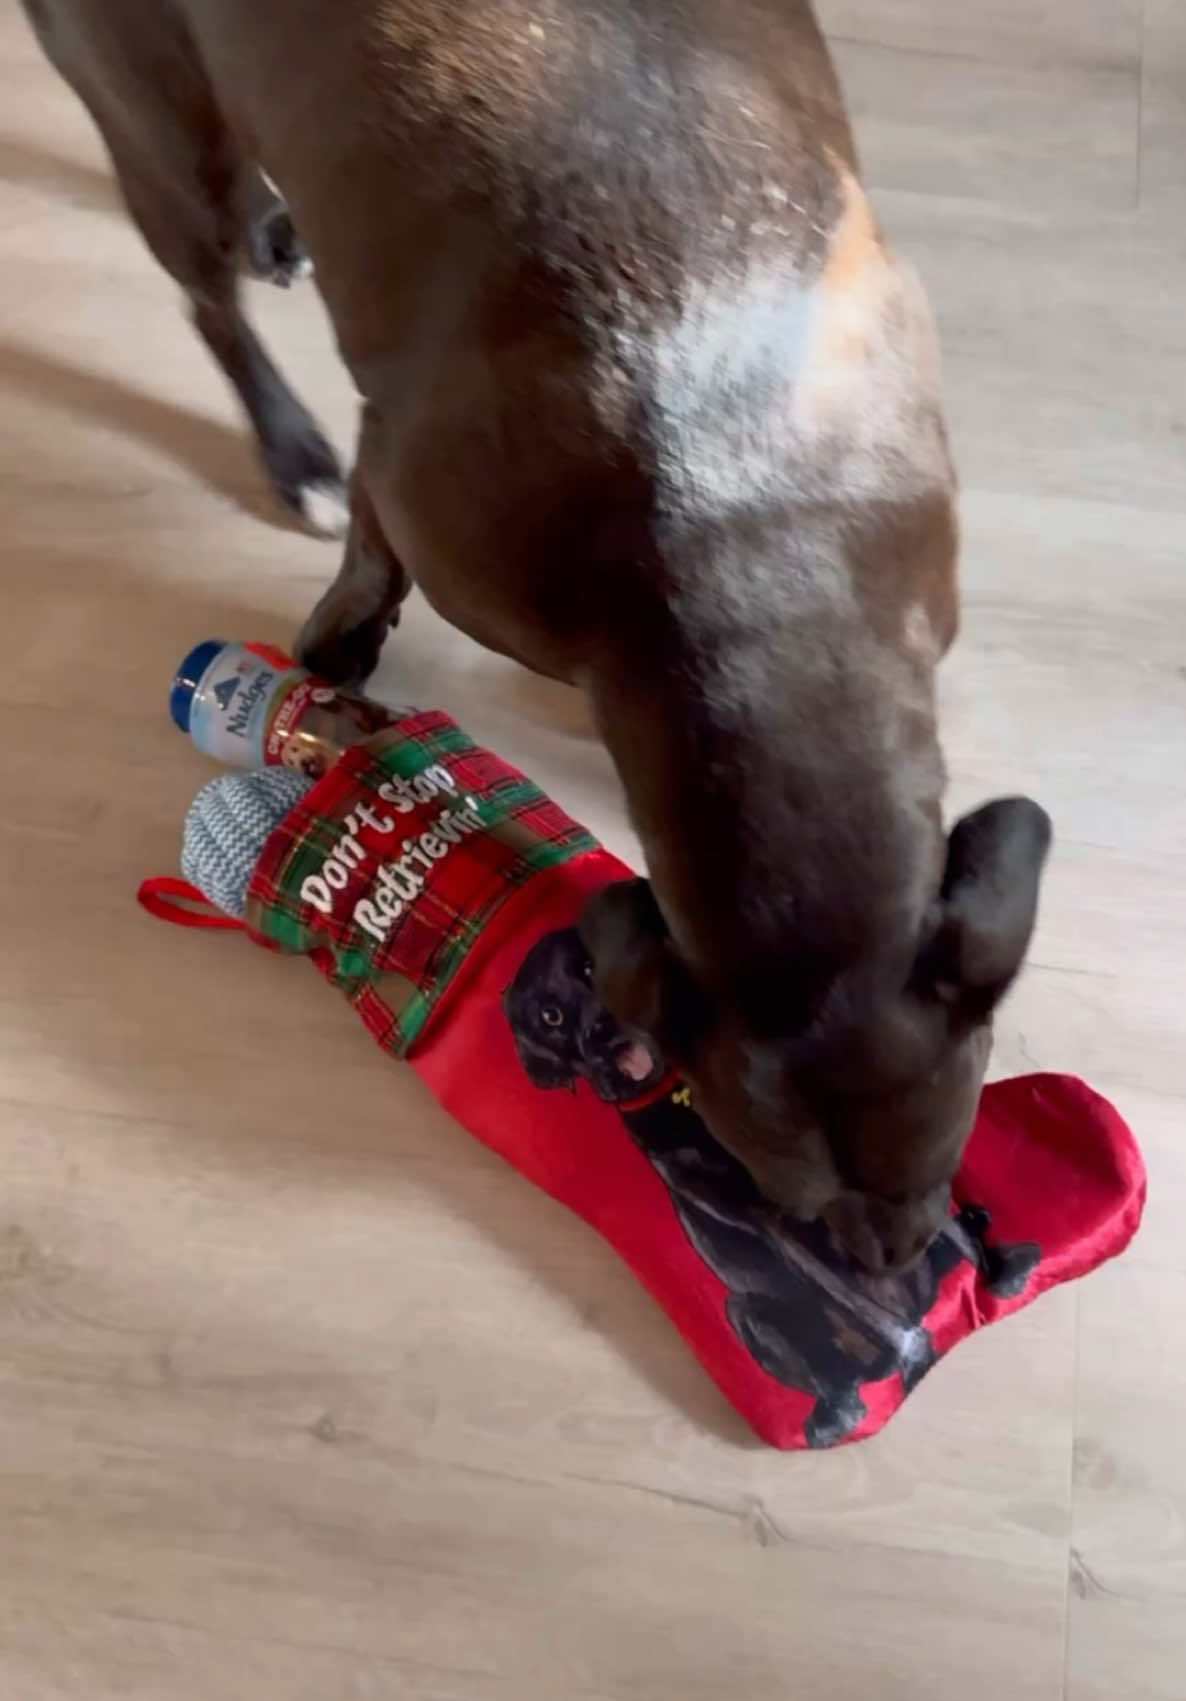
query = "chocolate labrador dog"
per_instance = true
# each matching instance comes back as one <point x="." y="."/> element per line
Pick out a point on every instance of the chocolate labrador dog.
<point x="648" y="404"/>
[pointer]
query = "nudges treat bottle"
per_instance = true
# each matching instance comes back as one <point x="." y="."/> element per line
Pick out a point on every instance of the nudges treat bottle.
<point x="251" y="706"/>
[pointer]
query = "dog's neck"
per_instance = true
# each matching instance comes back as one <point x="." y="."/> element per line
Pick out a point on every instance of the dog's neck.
<point x="787" y="794"/>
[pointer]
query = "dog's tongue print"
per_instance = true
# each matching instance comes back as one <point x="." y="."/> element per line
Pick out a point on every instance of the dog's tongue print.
<point x="634" y="1061"/>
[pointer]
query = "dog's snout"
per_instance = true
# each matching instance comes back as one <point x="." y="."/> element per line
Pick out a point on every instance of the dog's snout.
<point x="902" y="1252"/>
<point x="599" y="1028"/>
<point x="882" y="1238"/>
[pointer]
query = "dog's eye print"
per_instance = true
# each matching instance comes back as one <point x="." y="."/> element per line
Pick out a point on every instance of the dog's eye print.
<point x="587" y="971"/>
<point x="551" y="1015"/>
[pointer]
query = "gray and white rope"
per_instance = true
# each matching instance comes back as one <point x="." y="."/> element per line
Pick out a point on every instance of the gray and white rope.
<point x="227" y="827"/>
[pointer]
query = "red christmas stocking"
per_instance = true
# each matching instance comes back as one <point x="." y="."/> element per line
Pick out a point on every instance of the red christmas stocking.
<point x="439" y="890"/>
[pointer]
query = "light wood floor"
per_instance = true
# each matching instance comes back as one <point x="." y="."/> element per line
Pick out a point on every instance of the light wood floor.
<point x="302" y="1396"/>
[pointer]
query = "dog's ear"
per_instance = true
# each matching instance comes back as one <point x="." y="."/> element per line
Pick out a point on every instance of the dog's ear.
<point x="636" y="970"/>
<point x="978" y="930"/>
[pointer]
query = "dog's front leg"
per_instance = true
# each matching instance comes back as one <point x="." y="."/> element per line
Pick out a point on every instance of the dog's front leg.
<point x="343" y="636"/>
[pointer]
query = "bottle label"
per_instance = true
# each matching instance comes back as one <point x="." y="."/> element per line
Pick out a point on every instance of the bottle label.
<point x="311" y="723"/>
<point x="232" y="708"/>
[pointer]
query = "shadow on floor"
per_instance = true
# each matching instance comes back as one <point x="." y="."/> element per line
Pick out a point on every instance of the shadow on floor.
<point x="28" y="166"/>
<point x="219" y="455"/>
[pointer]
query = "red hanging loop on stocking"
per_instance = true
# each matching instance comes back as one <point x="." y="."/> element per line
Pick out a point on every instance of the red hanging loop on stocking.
<point x="174" y="900"/>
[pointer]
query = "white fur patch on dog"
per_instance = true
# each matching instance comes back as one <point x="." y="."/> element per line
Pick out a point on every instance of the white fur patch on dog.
<point x="823" y="388"/>
<point x="325" y="507"/>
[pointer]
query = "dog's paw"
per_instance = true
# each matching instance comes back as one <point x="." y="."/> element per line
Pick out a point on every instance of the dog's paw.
<point x="834" y="1420"/>
<point x="1007" y="1269"/>
<point x="917" y="1357"/>
<point x="275" y="251"/>
<point x="307" y="477"/>
<point x="324" y="506"/>
<point x="343" y="658"/>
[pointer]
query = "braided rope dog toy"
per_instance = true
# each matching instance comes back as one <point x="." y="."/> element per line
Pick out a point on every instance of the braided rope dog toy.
<point x="228" y="825"/>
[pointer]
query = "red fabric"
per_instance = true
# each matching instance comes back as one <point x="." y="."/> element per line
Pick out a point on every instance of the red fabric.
<point x="174" y="900"/>
<point x="1050" y="1161"/>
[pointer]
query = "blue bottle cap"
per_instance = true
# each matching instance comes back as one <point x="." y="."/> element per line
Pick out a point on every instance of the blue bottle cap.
<point x="188" y="677"/>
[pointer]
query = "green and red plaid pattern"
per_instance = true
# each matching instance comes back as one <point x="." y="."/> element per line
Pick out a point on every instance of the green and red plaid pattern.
<point x="394" y="865"/>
